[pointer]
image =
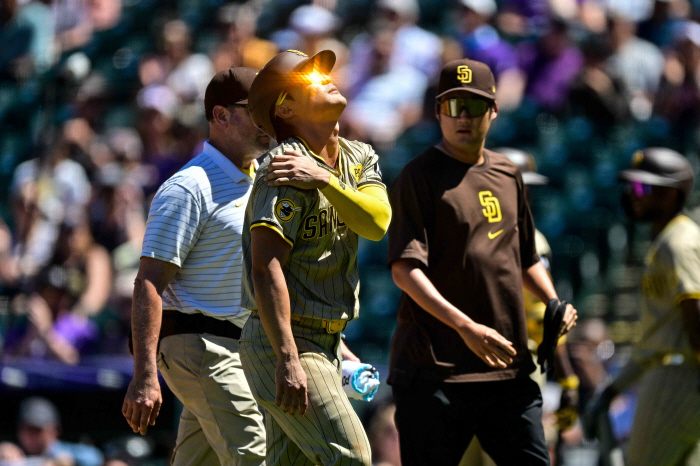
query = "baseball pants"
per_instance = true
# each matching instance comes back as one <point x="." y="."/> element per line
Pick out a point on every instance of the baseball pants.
<point x="221" y="423"/>
<point x="666" y="427"/>
<point x="437" y="421"/>
<point x="330" y="433"/>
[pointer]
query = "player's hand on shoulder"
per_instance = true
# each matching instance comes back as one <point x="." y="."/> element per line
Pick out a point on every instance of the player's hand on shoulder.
<point x="142" y="402"/>
<point x="491" y="347"/>
<point x="569" y="320"/>
<point x="290" y="379"/>
<point x="295" y="169"/>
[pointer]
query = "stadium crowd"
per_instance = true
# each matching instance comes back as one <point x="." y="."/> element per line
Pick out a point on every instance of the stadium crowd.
<point x="102" y="100"/>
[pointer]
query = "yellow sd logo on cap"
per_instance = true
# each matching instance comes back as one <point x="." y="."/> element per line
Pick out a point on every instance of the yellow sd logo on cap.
<point x="464" y="74"/>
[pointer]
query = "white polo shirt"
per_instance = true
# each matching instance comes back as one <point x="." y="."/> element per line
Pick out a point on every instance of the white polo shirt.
<point x="196" y="223"/>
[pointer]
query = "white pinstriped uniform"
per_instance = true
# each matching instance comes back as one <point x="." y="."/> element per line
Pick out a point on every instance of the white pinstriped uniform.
<point x="666" y="427"/>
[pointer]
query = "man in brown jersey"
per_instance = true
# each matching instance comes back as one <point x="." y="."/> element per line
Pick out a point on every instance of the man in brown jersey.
<point x="461" y="247"/>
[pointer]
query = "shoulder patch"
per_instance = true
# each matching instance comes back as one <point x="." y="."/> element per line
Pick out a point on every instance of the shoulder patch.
<point x="285" y="210"/>
<point x="356" y="171"/>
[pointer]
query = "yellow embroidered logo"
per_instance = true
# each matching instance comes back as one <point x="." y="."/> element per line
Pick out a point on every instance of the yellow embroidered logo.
<point x="464" y="74"/>
<point x="239" y="203"/>
<point x="301" y="54"/>
<point x="285" y="210"/>
<point x="493" y="207"/>
<point x="493" y="235"/>
<point x="637" y="158"/>
<point x="356" y="171"/>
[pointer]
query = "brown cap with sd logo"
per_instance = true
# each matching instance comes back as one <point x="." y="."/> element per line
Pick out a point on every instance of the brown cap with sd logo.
<point x="660" y="166"/>
<point x="283" y="71"/>
<point x="467" y="75"/>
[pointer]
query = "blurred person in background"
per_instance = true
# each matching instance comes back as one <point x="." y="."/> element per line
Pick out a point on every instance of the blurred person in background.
<point x="187" y="73"/>
<point x="39" y="431"/>
<point x="313" y="29"/>
<point x="666" y="428"/>
<point x="413" y="45"/>
<point x="187" y="313"/>
<point x="240" y="45"/>
<point x="460" y="363"/>
<point x="678" y="99"/>
<point x="481" y="42"/>
<point x="73" y="287"/>
<point x="551" y="65"/>
<point x="637" y="62"/>
<point x="389" y="101"/>
<point x="596" y="94"/>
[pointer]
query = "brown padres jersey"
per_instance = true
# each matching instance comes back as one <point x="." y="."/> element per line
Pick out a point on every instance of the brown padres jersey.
<point x="471" y="229"/>
<point x="321" y="272"/>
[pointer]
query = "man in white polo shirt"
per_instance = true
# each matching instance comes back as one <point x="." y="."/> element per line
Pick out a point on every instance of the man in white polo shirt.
<point x="187" y="318"/>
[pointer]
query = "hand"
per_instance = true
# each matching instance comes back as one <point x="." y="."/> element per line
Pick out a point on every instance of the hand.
<point x="346" y="354"/>
<point x="291" y="386"/>
<point x="142" y="402"/>
<point x="488" y="344"/>
<point x="569" y="320"/>
<point x="568" y="411"/>
<point x="295" y="169"/>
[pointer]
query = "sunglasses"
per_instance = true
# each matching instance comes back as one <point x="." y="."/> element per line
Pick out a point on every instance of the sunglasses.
<point x="474" y="107"/>
<point x="638" y="188"/>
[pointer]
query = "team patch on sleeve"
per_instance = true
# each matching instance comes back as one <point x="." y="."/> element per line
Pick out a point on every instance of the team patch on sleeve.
<point x="285" y="210"/>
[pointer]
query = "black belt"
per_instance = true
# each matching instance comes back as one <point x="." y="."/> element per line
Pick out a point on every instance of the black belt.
<point x="177" y="323"/>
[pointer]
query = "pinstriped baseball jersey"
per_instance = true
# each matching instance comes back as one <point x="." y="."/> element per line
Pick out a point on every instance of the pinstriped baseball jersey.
<point x="672" y="274"/>
<point x="321" y="273"/>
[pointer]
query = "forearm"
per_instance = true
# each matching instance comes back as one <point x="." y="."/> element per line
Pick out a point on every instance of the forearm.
<point x="366" y="212"/>
<point x="272" y="298"/>
<point x="146" y="316"/>
<point x="418" y="286"/>
<point x="537" y="281"/>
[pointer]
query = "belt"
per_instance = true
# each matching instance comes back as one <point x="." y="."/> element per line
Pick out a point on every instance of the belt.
<point x="331" y="325"/>
<point x="176" y="323"/>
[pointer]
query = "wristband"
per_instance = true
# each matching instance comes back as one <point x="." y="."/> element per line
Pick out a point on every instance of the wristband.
<point x="569" y="383"/>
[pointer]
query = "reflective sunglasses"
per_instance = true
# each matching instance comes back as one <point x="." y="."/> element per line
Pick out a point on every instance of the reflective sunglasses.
<point x="638" y="188"/>
<point x="474" y="107"/>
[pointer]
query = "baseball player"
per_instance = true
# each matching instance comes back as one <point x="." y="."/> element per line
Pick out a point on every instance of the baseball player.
<point x="187" y="315"/>
<point x="535" y="308"/>
<point x="461" y="246"/>
<point x="666" y="427"/>
<point x="314" y="194"/>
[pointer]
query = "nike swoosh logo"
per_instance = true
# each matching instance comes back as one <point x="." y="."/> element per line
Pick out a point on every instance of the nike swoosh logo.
<point x="240" y="203"/>
<point x="493" y="235"/>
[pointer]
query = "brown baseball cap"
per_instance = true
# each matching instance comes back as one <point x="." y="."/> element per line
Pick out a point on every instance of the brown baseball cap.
<point x="282" y="71"/>
<point x="660" y="166"/>
<point x="228" y="87"/>
<point x="467" y="75"/>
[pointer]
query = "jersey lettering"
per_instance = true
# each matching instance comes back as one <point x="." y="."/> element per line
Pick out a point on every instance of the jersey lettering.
<point x="321" y="224"/>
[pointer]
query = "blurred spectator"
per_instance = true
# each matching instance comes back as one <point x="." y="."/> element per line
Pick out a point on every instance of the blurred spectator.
<point x="595" y="94"/>
<point x="413" y="46"/>
<point x="678" y="98"/>
<point x="314" y="28"/>
<point x="390" y="101"/>
<point x="481" y="41"/>
<point x="72" y="287"/>
<point x="73" y="27"/>
<point x="104" y="14"/>
<point x="240" y="46"/>
<point x="187" y="73"/>
<point x="638" y="63"/>
<point x="383" y="437"/>
<point x="26" y="33"/>
<point x="551" y="65"/>
<point x="660" y="27"/>
<point x="38" y="431"/>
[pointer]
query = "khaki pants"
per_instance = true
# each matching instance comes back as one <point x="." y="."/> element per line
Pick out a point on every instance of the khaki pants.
<point x="221" y="422"/>
<point x="330" y="433"/>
